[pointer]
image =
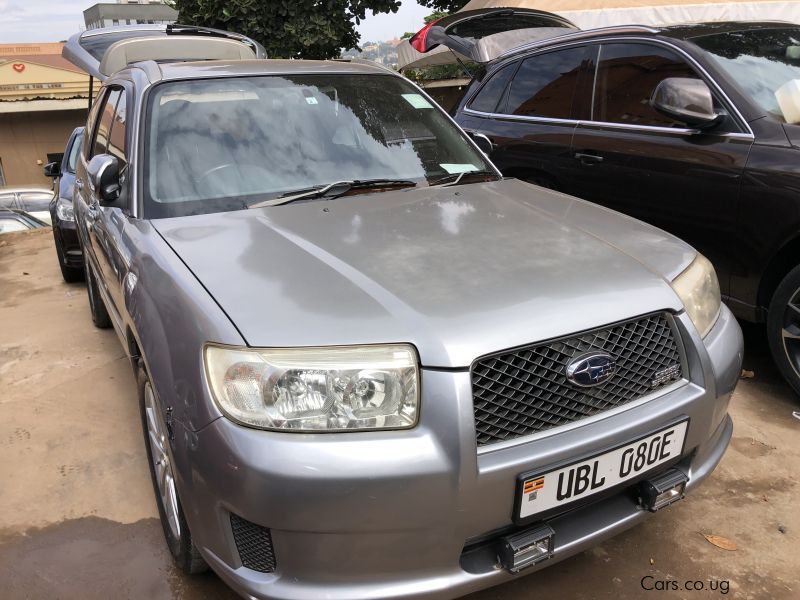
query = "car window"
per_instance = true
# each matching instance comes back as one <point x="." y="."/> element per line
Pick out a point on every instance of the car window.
<point x="488" y="99"/>
<point x="72" y="162"/>
<point x="544" y="85"/>
<point x="100" y="144"/>
<point x="7" y="200"/>
<point x="224" y="144"/>
<point x="116" y="142"/>
<point x="91" y="122"/>
<point x="9" y="224"/>
<point x="627" y="75"/>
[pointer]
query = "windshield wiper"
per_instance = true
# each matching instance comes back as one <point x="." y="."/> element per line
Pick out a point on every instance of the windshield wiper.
<point x="455" y="178"/>
<point x="332" y="190"/>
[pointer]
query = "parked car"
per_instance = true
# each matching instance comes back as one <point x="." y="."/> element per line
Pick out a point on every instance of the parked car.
<point x="12" y="219"/>
<point x="68" y="249"/>
<point x="368" y="365"/>
<point x="31" y="200"/>
<point x="694" y="129"/>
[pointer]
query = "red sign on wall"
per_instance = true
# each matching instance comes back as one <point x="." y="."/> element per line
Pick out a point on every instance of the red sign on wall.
<point x="18" y="67"/>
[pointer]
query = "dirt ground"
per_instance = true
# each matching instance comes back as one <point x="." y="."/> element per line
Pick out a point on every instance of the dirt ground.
<point x="78" y="519"/>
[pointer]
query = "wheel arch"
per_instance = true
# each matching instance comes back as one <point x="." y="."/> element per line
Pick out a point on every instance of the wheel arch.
<point x="784" y="260"/>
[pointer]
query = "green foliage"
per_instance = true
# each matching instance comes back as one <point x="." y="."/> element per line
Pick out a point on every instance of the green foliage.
<point x="446" y="6"/>
<point x="287" y="28"/>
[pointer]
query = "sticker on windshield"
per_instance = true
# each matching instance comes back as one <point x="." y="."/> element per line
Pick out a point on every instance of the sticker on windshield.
<point x="417" y="101"/>
<point x="454" y="168"/>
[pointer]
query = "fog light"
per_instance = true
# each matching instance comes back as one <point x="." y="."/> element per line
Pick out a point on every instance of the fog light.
<point x="662" y="491"/>
<point x="527" y="548"/>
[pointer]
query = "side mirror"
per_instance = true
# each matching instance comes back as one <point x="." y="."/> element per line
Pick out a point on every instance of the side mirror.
<point x="103" y="177"/>
<point x="52" y="170"/>
<point x="484" y="143"/>
<point x="686" y="100"/>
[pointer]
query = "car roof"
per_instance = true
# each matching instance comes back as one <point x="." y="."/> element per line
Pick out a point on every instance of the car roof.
<point x="693" y="30"/>
<point x="684" y="32"/>
<point x="222" y="68"/>
<point x="6" y="190"/>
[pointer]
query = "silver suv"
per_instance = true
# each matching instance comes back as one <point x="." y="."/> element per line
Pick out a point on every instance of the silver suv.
<point x="368" y="365"/>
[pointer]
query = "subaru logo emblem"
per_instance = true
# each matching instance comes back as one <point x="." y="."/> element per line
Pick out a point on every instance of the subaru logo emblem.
<point x="593" y="368"/>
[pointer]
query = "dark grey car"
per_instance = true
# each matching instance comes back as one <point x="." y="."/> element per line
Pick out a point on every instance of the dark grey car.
<point x="369" y="366"/>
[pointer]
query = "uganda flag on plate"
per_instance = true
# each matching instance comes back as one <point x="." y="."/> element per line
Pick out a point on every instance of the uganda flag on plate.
<point x="532" y="485"/>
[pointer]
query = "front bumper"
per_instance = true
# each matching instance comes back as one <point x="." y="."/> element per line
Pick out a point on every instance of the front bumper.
<point x="66" y="234"/>
<point x="389" y="514"/>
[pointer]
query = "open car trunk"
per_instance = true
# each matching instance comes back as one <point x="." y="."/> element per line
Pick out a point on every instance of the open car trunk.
<point x="479" y="36"/>
<point x="88" y="49"/>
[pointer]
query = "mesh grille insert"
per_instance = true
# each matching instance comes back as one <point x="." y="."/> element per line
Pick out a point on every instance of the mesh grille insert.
<point x="254" y="544"/>
<point x="525" y="390"/>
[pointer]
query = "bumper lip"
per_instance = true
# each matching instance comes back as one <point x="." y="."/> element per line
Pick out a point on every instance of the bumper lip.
<point x="615" y="515"/>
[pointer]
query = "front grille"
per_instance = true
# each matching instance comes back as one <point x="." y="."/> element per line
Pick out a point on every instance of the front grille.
<point x="522" y="391"/>
<point x="254" y="544"/>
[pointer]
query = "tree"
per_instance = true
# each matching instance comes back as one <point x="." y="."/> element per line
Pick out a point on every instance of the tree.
<point x="446" y="6"/>
<point x="287" y="28"/>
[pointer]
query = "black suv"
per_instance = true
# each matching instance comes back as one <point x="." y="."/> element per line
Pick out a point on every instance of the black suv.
<point x="692" y="128"/>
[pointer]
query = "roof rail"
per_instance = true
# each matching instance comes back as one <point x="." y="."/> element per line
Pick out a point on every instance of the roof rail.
<point x="150" y="68"/>
<point x="578" y="35"/>
<point x="365" y="61"/>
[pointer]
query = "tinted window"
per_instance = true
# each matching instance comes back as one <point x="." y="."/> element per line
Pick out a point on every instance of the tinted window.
<point x="104" y="125"/>
<point x="116" y="143"/>
<point x="73" y="153"/>
<point x="222" y="144"/>
<point x="626" y="77"/>
<point x="7" y="200"/>
<point x="92" y="120"/>
<point x="761" y="62"/>
<point x="544" y="85"/>
<point x="492" y="92"/>
<point x="505" y="20"/>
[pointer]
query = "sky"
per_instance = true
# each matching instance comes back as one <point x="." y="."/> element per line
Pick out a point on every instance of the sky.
<point x="55" y="20"/>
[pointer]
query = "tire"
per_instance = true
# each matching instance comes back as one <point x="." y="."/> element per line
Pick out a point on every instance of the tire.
<point x="173" y="520"/>
<point x="783" y="328"/>
<point x="98" y="309"/>
<point x="70" y="274"/>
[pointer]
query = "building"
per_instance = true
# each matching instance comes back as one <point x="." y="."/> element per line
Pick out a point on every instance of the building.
<point x="129" y="12"/>
<point x="43" y="97"/>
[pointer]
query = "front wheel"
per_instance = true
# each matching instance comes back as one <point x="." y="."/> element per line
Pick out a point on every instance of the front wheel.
<point x="783" y="328"/>
<point x="173" y="520"/>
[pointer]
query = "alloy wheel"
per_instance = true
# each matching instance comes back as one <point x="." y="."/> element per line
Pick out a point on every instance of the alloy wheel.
<point x="162" y="466"/>
<point x="790" y="332"/>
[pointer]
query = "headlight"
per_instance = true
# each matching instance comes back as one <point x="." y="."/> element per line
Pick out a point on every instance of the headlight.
<point x="344" y="388"/>
<point x="64" y="210"/>
<point x="698" y="289"/>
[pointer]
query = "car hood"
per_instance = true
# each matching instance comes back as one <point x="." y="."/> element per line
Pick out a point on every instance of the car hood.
<point x="457" y="271"/>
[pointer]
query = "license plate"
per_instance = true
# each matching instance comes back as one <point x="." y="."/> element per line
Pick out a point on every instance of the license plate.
<point x="559" y="487"/>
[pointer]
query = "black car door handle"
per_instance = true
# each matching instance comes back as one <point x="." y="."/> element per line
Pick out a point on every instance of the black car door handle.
<point x="588" y="159"/>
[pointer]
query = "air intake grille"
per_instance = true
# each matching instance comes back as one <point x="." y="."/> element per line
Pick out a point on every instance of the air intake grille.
<point x="523" y="391"/>
<point x="254" y="544"/>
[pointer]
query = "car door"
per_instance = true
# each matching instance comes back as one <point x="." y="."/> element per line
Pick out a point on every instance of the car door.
<point x="108" y="222"/>
<point x="92" y="215"/>
<point x="527" y="110"/>
<point x="633" y="159"/>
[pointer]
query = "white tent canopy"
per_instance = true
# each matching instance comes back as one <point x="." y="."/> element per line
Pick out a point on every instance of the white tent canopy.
<point x="589" y="14"/>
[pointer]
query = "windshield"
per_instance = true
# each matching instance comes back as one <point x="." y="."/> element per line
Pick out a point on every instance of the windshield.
<point x="224" y="144"/>
<point x="765" y="63"/>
